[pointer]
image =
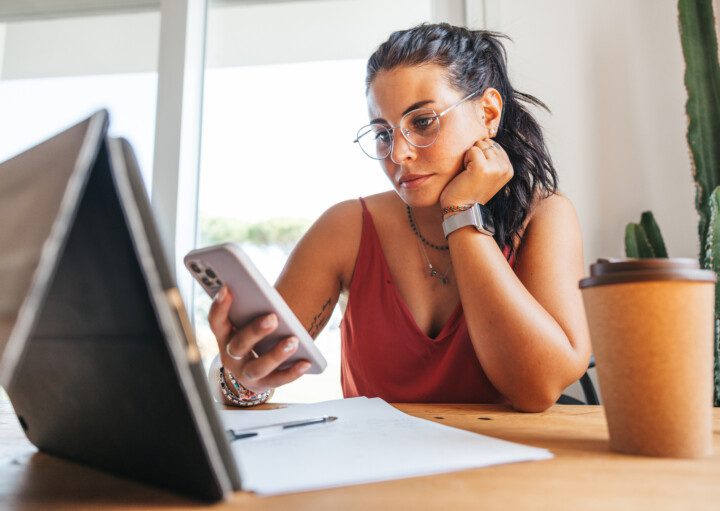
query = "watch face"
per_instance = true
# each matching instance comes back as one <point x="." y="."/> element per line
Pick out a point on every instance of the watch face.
<point x="487" y="220"/>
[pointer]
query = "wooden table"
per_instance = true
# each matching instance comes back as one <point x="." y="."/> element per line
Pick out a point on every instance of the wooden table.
<point x="584" y="475"/>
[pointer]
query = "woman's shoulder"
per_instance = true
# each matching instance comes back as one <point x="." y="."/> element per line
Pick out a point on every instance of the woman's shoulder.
<point x="546" y="208"/>
<point x="549" y="205"/>
<point x="339" y="226"/>
<point x="338" y="231"/>
<point x="350" y="211"/>
<point x="551" y="217"/>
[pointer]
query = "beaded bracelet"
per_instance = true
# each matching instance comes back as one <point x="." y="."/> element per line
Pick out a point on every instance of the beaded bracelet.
<point x="244" y="397"/>
<point x="246" y="394"/>
<point x="455" y="209"/>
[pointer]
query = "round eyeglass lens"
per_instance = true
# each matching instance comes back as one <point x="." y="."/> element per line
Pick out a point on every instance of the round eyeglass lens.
<point x="375" y="140"/>
<point x="420" y="127"/>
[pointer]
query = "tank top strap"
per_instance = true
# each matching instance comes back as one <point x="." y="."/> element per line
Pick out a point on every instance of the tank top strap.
<point x="509" y="257"/>
<point x="369" y="238"/>
<point x="370" y="259"/>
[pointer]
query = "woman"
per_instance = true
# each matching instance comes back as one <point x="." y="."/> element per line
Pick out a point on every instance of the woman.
<point x="489" y="314"/>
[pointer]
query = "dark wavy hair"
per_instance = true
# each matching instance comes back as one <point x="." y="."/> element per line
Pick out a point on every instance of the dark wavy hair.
<point x="476" y="59"/>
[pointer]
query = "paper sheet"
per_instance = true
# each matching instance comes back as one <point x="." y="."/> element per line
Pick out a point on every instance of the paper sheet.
<point x="371" y="441"/>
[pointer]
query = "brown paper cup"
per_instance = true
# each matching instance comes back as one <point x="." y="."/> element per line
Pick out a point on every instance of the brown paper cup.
<point x="651" y="324"/>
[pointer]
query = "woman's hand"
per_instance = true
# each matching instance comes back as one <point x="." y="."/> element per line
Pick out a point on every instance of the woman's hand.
<point x="254" y="373"/>
<point x="487" y="169"/>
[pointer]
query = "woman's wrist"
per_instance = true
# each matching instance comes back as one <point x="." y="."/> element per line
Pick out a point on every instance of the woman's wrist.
<point x="223" y="381"/>
<point x="453" y="209"/>
<point x="236" y="394"/>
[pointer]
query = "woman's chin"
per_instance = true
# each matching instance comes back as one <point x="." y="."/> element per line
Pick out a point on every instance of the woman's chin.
<point x="419" y="198"/>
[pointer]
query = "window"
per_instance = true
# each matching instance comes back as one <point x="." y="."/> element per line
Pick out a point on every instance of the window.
<point x="284" y="96"/>
<point x="55" y="72"/>
<point x="43" y="91"/>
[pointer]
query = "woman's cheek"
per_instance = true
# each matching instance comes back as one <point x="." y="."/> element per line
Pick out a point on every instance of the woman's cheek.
<point x="450" y="162"/>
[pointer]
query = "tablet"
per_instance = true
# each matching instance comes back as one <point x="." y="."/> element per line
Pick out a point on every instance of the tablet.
<point x="97" y="355"/>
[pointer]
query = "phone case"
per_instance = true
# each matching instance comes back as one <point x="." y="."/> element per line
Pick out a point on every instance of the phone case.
<point x="253" y="296"/>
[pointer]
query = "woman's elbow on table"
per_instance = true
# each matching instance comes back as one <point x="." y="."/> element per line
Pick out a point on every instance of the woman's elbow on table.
<point x="534" y="403"/>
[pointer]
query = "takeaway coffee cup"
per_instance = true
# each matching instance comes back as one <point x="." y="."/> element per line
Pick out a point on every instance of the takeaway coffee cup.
<point x="651" y="324"/>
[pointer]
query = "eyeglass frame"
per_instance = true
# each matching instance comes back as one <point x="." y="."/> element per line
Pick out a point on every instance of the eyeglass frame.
<point x="392" y="129"/>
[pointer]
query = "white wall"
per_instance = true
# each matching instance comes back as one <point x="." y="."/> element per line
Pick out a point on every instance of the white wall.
<point x="3" y="31"/>
<point x="611" y="71"/>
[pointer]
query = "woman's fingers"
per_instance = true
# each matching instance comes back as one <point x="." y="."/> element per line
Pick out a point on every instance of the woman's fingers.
<point x="242" y="341"/>
<point x="486" y="147"/>
<point x="270" y="361"/>
<point x="236" y="345"/>
<point x="490" y="156"/>
<point x="218" y="316"/>
<point x="471" y="155"/>
<point x="262" y="373"/>
<point x="278" y="378"/>
<point x="487" y="168"/>
<point x="481" y="151"/>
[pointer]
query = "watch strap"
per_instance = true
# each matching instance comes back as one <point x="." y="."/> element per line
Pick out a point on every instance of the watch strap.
<point x="478" y="216"/>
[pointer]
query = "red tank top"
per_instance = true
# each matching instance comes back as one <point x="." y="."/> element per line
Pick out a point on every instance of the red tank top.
<point x="384" y="352"/>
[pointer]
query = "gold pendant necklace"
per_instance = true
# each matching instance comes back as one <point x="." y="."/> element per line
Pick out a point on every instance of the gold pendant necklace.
<point x="432" y="271"/>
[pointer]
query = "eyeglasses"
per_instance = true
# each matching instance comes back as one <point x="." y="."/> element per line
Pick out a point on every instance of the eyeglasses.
<point x="420" y="127"/>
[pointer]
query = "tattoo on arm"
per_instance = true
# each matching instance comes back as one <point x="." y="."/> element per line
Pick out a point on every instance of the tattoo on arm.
<point x="320" y="319"/>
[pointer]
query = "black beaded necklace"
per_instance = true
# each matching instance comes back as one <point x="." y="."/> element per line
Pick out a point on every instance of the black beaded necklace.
<point x="415" y="229"/>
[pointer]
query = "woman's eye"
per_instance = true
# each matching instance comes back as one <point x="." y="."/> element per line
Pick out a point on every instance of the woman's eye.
<point x="383" y="136"/>
<point x="423" y="123"/>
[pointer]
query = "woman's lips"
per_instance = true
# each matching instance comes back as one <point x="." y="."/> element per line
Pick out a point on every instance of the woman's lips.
<point x="413" y="180"/>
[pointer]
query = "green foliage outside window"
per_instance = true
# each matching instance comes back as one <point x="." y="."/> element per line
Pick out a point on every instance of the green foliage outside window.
<point x="283" y="232"/>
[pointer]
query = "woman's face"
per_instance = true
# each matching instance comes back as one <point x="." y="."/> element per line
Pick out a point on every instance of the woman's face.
<point x="419" y="174"/>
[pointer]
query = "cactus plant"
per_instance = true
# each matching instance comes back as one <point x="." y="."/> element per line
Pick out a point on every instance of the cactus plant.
<point x="644" y="239"/>
<point x="712" y="262"/>
<point x="702" y="81"/>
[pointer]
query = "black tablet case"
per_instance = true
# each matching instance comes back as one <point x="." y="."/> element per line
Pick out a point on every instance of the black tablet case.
<point x="97" y="355"/>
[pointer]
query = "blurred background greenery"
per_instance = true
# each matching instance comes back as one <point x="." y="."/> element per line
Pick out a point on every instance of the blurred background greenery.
<point x="281" y="232"/>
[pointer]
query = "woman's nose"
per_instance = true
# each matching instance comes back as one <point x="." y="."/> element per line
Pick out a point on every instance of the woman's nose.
<point x="401" y="149"/>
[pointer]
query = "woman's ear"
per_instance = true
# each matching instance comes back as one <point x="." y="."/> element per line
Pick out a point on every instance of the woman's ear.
<point x="491" y="103"/>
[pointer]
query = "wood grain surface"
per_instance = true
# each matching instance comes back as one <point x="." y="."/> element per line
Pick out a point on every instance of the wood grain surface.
<point x="584" y="475"/>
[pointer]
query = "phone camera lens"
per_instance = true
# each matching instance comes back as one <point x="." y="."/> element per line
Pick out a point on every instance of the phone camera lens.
<point x="194" y="267"/>
<point x="218" y="282"/>
<point x="210" y="273"/>
<point x="207" y="281"/>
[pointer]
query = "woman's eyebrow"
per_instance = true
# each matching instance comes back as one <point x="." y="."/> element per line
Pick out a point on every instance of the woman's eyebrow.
<point x="412" y="107"/>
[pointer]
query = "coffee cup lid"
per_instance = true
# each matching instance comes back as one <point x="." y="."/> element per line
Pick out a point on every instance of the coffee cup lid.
<point x="620" y="271"/>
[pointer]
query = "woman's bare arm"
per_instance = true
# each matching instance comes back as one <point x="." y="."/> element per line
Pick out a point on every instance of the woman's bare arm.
<point x="310" y="284"/>
<point x="528" y="326"/>
<point x="321" y="265"/>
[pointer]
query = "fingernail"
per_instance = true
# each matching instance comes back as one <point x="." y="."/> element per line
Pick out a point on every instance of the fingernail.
<point x="304" y="366"/>
<point x="221" y="294"/>
<point x="268" y="321"/>
<point x="290" y="344"/>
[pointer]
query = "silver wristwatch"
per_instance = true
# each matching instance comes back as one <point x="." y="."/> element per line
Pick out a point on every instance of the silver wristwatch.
<point x="478" y="216"/>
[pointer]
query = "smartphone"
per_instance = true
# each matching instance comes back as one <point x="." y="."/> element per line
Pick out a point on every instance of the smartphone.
<point x="227" y="264"/>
